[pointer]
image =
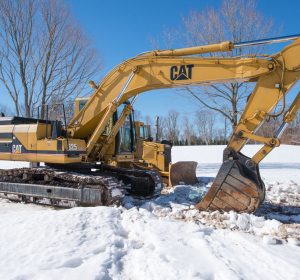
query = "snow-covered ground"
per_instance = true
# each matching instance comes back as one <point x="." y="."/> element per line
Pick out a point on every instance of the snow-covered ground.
<point x="164" y="237"/>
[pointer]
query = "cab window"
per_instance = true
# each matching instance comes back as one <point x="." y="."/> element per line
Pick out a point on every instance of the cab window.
<point x="82" y="104"/>
<point x="142" y="132"/>
<point x="125" y="140"/>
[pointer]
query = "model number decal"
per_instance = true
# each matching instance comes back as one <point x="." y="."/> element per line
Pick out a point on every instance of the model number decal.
<point x="73" y="147"/>
<point x="17" y="149"/>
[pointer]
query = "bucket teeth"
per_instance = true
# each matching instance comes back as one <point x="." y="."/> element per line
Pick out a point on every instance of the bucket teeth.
<point x="237" y="187"/>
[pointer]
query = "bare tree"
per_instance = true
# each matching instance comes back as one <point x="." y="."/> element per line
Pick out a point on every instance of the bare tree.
<point x="297" y="120"/>
<point x="172" y="126"/>
<point x="267" y="129"/>
<point x="17" y="71"/>
<point x="160" y="128"/>
<point x="295" y="137"/>
<point x="236" y="20"/>
<point x="290" y="136"/>
<point x="205" y="123"/>
<point x="148" y="120"/>
<point x="168" y="36"/>
<point x="138" y="116"/>
<point x="4" y="110"/>
<point x="219" y="136"/>
<point x="44" y="55"/>
<point x="292" y="133"/>
<point x="68" y="62"/>
<point x="188" y="130"/>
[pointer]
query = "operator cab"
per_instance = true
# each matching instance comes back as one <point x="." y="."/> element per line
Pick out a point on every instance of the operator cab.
<point x="133" y="142"/>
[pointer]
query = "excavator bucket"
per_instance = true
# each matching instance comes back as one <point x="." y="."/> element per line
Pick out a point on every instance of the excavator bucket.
<point x="183" y="173"/>
<point x="237" y="186"/>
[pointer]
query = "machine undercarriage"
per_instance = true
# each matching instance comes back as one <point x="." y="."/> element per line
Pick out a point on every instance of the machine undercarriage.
<point x="70" y="186"/>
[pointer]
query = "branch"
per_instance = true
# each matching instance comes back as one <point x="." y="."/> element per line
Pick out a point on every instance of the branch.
<point x="208" y="106"/>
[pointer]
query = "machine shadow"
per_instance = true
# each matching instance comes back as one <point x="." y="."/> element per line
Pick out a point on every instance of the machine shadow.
<point x="205" y="180"/>
<point x="286" y="214"/>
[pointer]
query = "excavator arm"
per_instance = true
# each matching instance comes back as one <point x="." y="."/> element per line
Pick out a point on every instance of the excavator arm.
<point x="238" y="185"/>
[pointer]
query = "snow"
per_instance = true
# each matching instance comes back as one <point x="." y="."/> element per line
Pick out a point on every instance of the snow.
<point x="13" y="164"/>
<point x="164" y="237"/>
<point x="214" y="153"/>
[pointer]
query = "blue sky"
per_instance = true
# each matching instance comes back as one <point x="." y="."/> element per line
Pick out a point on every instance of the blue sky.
<point x="121" y="29"/>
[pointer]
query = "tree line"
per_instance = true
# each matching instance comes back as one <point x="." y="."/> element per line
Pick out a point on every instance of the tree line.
<point x="204" y="127"/>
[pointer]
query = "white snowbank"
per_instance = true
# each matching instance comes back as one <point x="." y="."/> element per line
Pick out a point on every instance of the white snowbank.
<point x="281" y="164"/>
<point x="214" y="153"/>
<point x="13" y="164"/>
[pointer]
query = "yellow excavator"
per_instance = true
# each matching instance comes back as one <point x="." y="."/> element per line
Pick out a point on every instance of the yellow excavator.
<point x="103" y="153"/>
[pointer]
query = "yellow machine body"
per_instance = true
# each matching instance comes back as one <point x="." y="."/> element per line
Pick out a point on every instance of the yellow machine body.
<point x="32" y="142"/>
<point x="92" y="134"/>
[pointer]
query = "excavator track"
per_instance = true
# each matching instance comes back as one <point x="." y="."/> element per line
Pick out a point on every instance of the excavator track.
<point x="150" y="180"/>
<point x="59" y="188"/>
<point x="66" y="188"/>
<point x="137" y="181"/>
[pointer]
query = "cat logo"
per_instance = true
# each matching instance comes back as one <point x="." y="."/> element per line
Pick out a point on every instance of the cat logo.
<point x="17" y="149"/>
<point x="180" y="73"/>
